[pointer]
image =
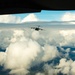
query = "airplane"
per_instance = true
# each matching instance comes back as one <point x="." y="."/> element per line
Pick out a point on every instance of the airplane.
<point x="36" y="28"/>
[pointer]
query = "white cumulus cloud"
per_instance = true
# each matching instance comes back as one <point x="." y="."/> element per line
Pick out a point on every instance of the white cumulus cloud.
<point x="50" y="52"/>
<point x="26" y="48"/>
<point x="30" y="18"/>
<point x="2" y="58"/>
<point x="68" y="16"/>
<point x="40" y="74"/>
<point x="9" y="19"/>
<point x="20" y="55"/>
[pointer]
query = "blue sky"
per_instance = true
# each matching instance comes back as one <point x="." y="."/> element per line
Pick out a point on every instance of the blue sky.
<point x="47" y="15"/>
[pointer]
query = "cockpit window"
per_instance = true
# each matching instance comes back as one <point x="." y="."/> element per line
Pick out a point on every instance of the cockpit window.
<point x="37" y="43"/>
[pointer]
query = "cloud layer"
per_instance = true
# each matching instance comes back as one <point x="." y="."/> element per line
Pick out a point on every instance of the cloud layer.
<point x="27" y="48"/>
<point x="9" y="19"/>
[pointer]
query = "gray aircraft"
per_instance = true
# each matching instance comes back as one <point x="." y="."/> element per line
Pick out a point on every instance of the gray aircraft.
<point x="37" y="28"/>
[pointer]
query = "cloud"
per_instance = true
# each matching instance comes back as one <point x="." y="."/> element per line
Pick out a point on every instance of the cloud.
<point x="2" y="58"/>
<point x="50" y="52"/>
<point x="5" y="37"/>
<point x="73" y="51"/>
<point x="68" y="17"/>
<point x="72" y="69"/>
<point x="50" y="70"/>
<point x="9" y="19"/>
<point x="20" y="55"/>
<point x="68" y="37"/>
<point x="66" y="66"/>
<point x="40" y="74"/>
<point x="36" y="34"/>
<point x="26" y="49"/>
<point x="20" y="71"/>
<point x="22" y="51"/>
<point x="30" y="18"/>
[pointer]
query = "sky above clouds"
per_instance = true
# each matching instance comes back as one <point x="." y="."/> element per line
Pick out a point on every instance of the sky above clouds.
<point x="39" y="16"/>
<point x="52" y="15"/>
